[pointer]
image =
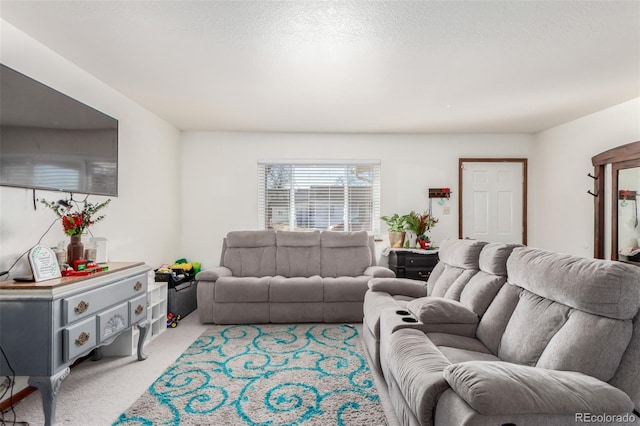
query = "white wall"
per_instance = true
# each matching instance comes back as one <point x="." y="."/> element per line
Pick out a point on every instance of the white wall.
<point x="142" y="223"/>
<point x="561" y="212"/>
<point x="219" y="175"/>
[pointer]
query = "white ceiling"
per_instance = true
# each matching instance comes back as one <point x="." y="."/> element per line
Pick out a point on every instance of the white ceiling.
<point x="351" y="66"/>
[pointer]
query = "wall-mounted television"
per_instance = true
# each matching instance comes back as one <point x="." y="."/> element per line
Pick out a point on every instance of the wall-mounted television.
<point x="53" y="142"/>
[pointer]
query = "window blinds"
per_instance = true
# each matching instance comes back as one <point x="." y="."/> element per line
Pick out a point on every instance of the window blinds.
<point x="325" y="196"/>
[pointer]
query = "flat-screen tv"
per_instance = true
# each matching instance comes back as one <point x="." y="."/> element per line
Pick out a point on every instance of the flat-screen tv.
<point x="51" y="141"/>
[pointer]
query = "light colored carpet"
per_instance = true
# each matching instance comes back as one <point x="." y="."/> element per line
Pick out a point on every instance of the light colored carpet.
<point x="96" y="393"/>
<point x="265" y="374"/>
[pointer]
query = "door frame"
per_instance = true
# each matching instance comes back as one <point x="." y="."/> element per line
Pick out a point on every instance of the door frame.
<point x="524" y="163"/>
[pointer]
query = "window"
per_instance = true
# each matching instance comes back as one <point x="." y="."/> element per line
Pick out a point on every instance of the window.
<point x="307" y="196"/>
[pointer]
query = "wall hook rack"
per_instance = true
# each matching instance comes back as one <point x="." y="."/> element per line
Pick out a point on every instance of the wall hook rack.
<point x="592" y="176"/>
<point x="440" y="193"/>
<point x="591" y="193"/>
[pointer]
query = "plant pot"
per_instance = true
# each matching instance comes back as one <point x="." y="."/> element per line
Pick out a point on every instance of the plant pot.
<point x="396" y="239"/>
<point x="75" y="249"/>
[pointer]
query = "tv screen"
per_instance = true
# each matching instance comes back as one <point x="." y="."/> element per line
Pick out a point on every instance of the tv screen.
<point x="51" y="141"/>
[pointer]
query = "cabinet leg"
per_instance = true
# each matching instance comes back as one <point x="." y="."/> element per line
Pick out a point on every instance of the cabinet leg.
<point x="48" y="387"/>
<point x="143" y="329"/>
<point x="97" y="354"/>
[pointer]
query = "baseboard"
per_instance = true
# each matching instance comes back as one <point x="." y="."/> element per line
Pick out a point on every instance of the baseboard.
<point x="17" y="397"/>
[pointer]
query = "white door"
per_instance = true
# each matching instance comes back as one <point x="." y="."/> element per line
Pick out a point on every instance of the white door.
<point x="493" y="201"/>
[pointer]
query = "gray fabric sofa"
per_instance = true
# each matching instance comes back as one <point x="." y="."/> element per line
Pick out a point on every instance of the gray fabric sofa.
<point x="289" y="277"/>
<point x="559" y="344"/>
<point x="469" y="274"/>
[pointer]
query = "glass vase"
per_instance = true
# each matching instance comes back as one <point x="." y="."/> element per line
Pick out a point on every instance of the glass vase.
<point x="75" y="249"/>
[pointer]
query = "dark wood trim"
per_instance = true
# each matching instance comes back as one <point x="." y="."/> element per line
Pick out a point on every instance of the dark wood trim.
<point x="22" y="394"/>
<point x="525" y="185"/>
<point x="618" y="154"/>
<point x="599" y="207"/>
<point x="622" y="157"/>
<point x="17" y="397"/>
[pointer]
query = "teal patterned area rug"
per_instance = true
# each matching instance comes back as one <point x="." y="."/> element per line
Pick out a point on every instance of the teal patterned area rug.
<point x="267" y="374"/>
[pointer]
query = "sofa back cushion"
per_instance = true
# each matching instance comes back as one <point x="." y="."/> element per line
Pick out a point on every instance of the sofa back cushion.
<point x="344" y="253"/>
<point x="459" y="261"/>
<point x="298" y="253"/>
<point x="250" y="253"/>
<point x="600" y="287"/>
<point x="483" y="287"/>
<point x="572" y="314"/>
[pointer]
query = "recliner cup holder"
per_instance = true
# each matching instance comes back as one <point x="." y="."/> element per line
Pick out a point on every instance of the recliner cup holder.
<point x="401" y="312"/>
<point x="409" y="319"/>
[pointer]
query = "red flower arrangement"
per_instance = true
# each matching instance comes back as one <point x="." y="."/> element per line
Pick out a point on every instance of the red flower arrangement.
<point x="74" y="223"/>
<point x="420" y="224"/>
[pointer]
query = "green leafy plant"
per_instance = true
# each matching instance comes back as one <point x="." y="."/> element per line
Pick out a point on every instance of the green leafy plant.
<point x="396" y="223"/>
<point x="75" y="222"/>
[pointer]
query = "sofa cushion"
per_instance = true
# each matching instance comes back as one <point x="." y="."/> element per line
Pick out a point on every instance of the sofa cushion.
<point x="460" y="342"/>
<point x="458" y="263"/>
<point x="452" y="277"/>
<point x="242" y="289"/>
<point x="480" y="291"/>
<point x="344" y="254"/>
<point x="456" y="355"/>
<point x="533" y="323"/>
<point x="589" y="344"/>
<point x="493" y="258"/>
<point x="297" y="289"/>
<point x="437" y="310"/>
<point x="298" y="253"/>
<point x="461" y="253"/>
<point x="251" y="253"/>
<point x="345" y="289"/>
<point x="596" y="286"/>
<point x="504" y="388"/>
<point x="495" y="319"/>
<point x="250" y="239"/>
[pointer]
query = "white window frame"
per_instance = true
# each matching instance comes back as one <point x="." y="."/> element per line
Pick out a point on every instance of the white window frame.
<point x="375" y="188"/>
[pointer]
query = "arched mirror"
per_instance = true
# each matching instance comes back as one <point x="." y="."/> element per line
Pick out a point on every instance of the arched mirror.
<point x="624" y="175"/>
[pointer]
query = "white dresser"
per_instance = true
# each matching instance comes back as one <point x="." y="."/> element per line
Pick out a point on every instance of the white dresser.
<point x="46" y="326"/>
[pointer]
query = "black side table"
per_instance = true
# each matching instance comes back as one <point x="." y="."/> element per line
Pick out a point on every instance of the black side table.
<point x="414" y="264"/>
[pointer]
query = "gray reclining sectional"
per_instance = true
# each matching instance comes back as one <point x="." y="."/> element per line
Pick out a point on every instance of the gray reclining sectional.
<point x="289" y="277"/>
<point x="528" y="337"/>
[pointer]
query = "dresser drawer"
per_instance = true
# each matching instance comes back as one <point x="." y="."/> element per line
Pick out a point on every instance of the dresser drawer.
<point x="417" y="273"/>
<point x="138" y="309"/>
<point x="112" y="321"/>
<point x="79" y="338"/>
<point x="91" y="302"/>
<point x="415" y="260"/>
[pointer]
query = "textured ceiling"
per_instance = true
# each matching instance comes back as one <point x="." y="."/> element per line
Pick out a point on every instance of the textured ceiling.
<point x="351" y="66"/>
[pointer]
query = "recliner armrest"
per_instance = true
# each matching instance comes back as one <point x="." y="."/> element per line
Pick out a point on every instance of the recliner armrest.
<point x="213" y="274"/>
<point x="438" y="310"/>
<point x="399" y="286"/>
<point x="494" y="388"/>
<point x="379" y="271"/>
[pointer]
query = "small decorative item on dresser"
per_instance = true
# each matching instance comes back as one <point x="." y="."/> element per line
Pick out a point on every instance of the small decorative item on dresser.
<point x="420" y="224"/>
<point x="396" y="224"/>
<point x="75" y="222"/>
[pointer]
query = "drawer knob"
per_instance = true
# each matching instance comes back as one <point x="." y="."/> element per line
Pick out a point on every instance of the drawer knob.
<point x="83" y="338"/>
<point x="82" y="307"/>
<point x="137" y="286"/>
<point x="139" y="310"/>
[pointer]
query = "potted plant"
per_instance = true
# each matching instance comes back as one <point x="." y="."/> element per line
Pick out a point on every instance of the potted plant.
<point x="420" y="224"/>
<point x="396" y="224"/>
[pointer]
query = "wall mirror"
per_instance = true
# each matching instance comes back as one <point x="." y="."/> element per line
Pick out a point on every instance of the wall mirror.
<point x="621" y="167"/>
<point x="628" y="228"/>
